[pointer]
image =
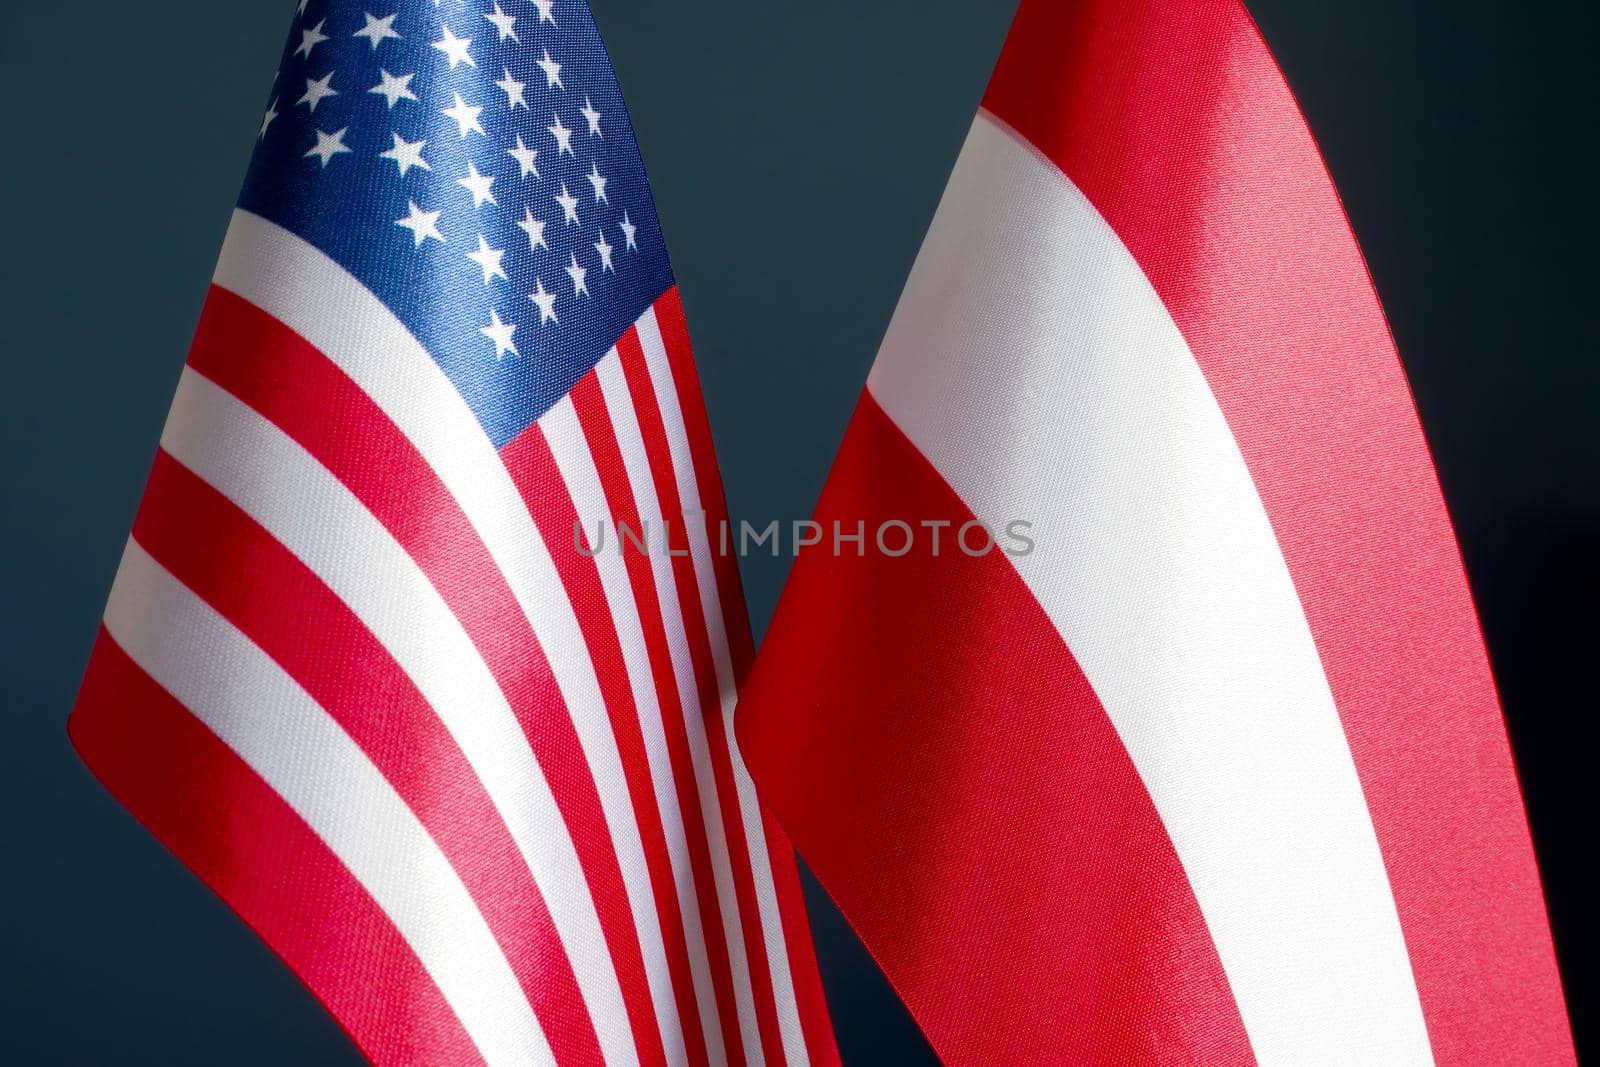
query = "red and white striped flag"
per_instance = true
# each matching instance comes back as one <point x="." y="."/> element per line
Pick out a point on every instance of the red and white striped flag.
<point x="474" y="783"/>
<point x="1203" y="762"/>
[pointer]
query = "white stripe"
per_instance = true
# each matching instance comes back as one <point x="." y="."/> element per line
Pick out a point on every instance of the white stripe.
<point x="288" y="739"/>
<point x="788" y="1009"/>
<point x="282" y="486"/>
<point x="573" y="458"/>
<point x="322" y="302"/>
<point x="624" y="420"/>
<point x="1031" y="361"/>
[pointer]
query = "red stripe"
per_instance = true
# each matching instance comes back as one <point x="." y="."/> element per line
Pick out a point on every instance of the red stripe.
<point x="228" y="826"/>
<point x="807" y="979"/>
<point x="238" y="568"/>
<point x="600" y="435"/>
<point x="703" y="456"/>
<point x="1197" y="156"/>
<point x="815" y="1023"/>
<point x="656" y="449"/>
<point x="953" y="780"/>
<point x="533" y="468"/>
<point x="280" y="375"/>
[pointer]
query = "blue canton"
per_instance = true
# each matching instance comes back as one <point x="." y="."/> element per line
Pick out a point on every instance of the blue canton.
<point x="473" y="165"/>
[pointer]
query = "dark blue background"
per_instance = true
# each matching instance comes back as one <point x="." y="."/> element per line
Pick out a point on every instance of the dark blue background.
<point x="796" y="152"/>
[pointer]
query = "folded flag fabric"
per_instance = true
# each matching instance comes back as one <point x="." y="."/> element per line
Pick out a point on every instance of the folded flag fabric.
<point x="1149" y="721"/>
<point x="476" y="787"/>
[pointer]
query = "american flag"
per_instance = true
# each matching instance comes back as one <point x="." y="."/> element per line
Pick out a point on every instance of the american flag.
<point x="476" y="787"/>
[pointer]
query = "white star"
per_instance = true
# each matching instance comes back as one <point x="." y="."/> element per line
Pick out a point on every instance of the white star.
<point x="628" y="229"/>
<point x="478" y="185"/>
<point x="503" y="22"/>
<point x="569" y="205"/>
<point x="534" y="228"/>
<point x="300" y="8"/>
<point x="604" y="247"/>
<point x="544" y="7"/>
<point x="546" y="302"/>
<point x="562" y="135"/>
<point x="406" y="154"/>
<point x="524" y="157"/>
<point x="329" y="145"/>
<point x="309" y="39"/>
<point x="316" y="89"/>
<point x="552" y="71"/>
<point x="422" y="224"/>
<point x="592" y="117"/>
<point x="500" y="333"/>
<point x="394" y="89"/>
<point x="455" y="48"/>
<point x="513" y="90"/>
<point x="465" y="114"/>
<point x="599" y="183"/>
<point x="577" y="274"/>
<point x="377" y="30"/>
<point x="488" y="260"/>
<point x="272" y="113"/>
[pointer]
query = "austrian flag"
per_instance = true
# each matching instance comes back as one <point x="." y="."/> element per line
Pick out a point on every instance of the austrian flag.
<point x="1216" y="773"/>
